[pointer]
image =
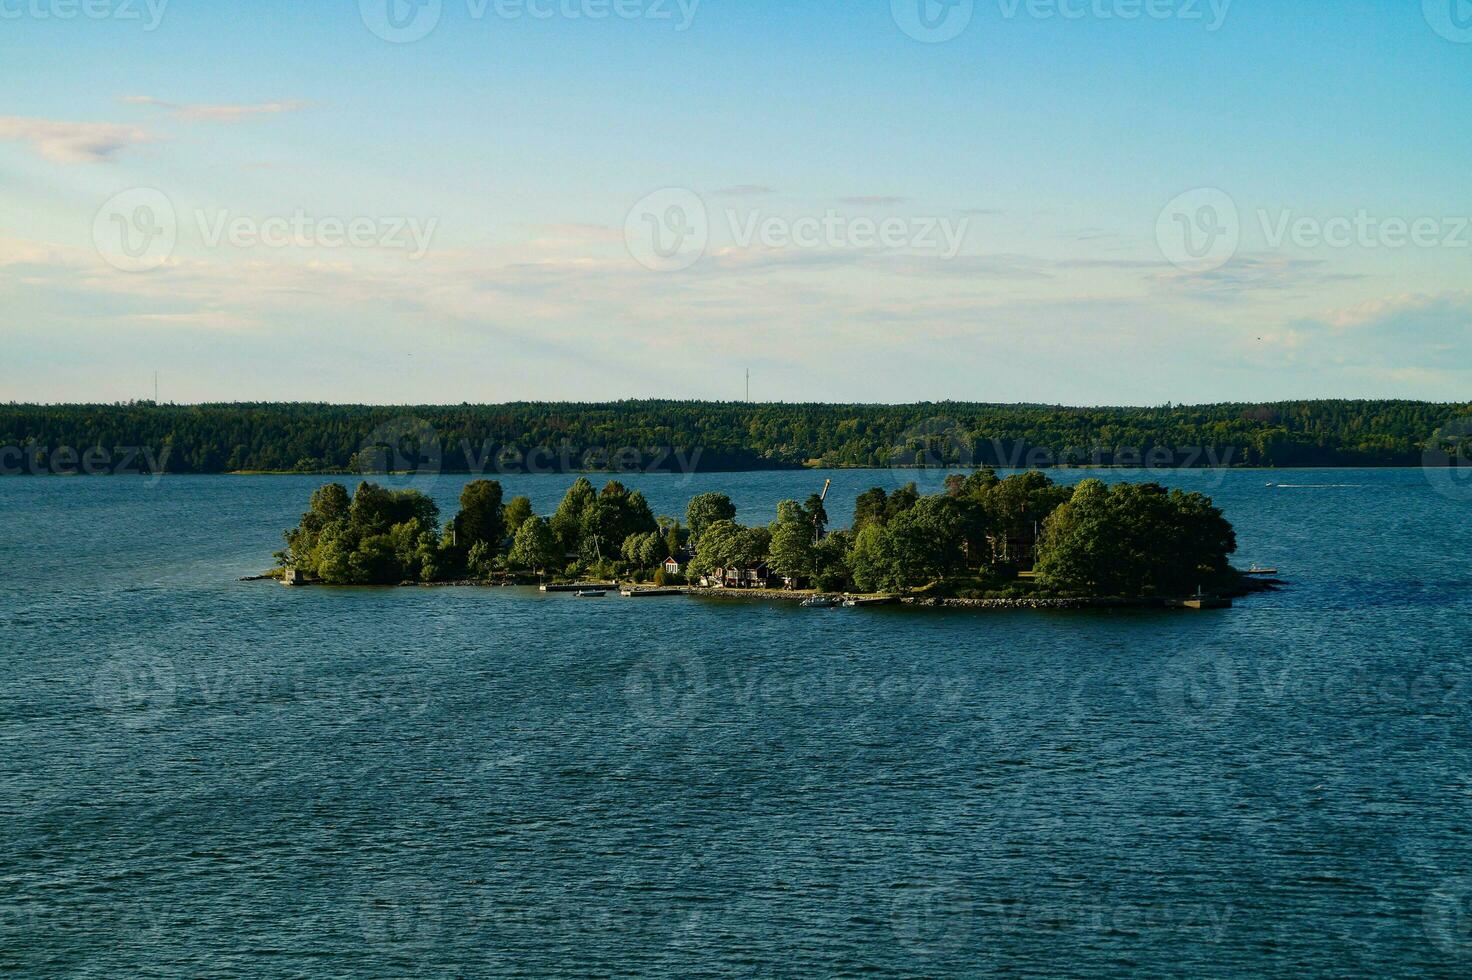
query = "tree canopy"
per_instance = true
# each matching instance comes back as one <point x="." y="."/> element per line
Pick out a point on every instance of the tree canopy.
<point x="681" y="436"/>
<point x="1127" y="539"/>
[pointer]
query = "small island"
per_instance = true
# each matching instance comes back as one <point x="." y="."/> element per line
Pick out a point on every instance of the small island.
<point x="983" y="541"/>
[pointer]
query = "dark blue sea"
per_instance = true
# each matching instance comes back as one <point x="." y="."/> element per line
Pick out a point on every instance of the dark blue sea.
<point x="201" y="777"/>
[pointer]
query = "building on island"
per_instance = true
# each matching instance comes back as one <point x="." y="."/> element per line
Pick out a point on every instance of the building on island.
<point x="753" y="577"/>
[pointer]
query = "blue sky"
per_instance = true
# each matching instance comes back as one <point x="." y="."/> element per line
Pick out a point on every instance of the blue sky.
<point x="501" y="170"/>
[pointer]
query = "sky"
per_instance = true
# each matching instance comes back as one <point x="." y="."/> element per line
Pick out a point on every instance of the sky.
<point x="441" y="201"/>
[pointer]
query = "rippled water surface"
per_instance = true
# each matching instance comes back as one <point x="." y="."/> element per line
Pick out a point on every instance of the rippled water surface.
<point x="201" y="776"/>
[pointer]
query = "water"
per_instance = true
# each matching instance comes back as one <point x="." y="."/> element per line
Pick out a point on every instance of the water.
<point x="205" y="777"/>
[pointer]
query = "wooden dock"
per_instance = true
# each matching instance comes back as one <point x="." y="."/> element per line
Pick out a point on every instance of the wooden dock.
<point x="629" y="593"/>
<point x="579" y="586"/>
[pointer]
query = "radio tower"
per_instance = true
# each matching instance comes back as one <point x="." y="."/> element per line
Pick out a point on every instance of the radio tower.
<point x="748" y="384"/>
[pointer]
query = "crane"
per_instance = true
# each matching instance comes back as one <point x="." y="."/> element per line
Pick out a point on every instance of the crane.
<point x="819" y="511"/>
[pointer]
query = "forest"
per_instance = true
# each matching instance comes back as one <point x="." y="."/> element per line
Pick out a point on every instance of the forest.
<point x="686" y="436"/>
<point x="970" y="540"/>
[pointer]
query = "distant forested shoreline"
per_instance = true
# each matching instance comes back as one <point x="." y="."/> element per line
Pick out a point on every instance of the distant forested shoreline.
<point x="687" y="436"/>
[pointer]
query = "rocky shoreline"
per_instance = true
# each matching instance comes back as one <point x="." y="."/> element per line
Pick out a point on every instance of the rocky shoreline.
<point x="1248" y="586"/>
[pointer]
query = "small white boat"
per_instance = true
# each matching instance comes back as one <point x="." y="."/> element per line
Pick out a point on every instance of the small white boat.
<point x="1256" y="569"/>
<point x="590" y="593"/>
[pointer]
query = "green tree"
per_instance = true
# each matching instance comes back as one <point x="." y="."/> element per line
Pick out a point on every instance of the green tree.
<point x="480" y="518"/>
<point x="872" y="560"/>
<point x="726" y="544"/>
<point x="901" y="500"/>
<point x="706" y="509"/>
<point x="481" y="560"/>
<point x="924" y="542"/>
<point x="621" y="513"/>
<point x="817" y="515"/>
<point x="535" y="547"/>
<point x="792" y="545"/>
<point x="644" y="550"/>
<point x="830" y="562"/>
<point x="871" y="507"/>
<point x="1134" y="539"/>
<point x="567" y="520"/>
<point x="517" y="513"/>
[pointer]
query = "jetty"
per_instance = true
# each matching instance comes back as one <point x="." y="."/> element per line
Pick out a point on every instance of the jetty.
<point x="578" y="586"/>
<point x="1203" y="602"/>
<point x="629" y="592"/>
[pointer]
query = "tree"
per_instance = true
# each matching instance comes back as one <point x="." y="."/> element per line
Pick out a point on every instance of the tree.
<point x="1013" y="510"/>
<point x="480" y="518"/>
<point x="901" y="500"/>
<point x="374" y="510"/>
<point x="706" y="509"/>
<point x="1134" y="539"/>
<point x="535" y="547"/>
<point x="622" y="513"/>
<point x="726" y="544"/>
<point x="517" y="512"/>
<point x="817" y="515"/>
<point x="924" y="542"/>
<point x="871" y="507"/>
<point x="644" y="550"/>
<point x="830" y="562"/>
<point x="872" y="560"/>
<point x="1084" y="546"/>
<point x="481" y="560"/>
<point x="331" y="502"/>
<point x="567" y="520"/>
<point x="792" y="546"/>
<point x="376" y="537"/>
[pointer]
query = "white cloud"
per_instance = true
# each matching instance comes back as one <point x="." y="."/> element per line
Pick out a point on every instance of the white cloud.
<point x="68" y="142"/>
<point x="217" y="113"/>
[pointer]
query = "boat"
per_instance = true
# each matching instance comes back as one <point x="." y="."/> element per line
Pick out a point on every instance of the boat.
<point x="590" y="593"/>
<point x="820" y="602"/>
<point x="1258" y="570"/>
<point x="1201" y="600"/>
